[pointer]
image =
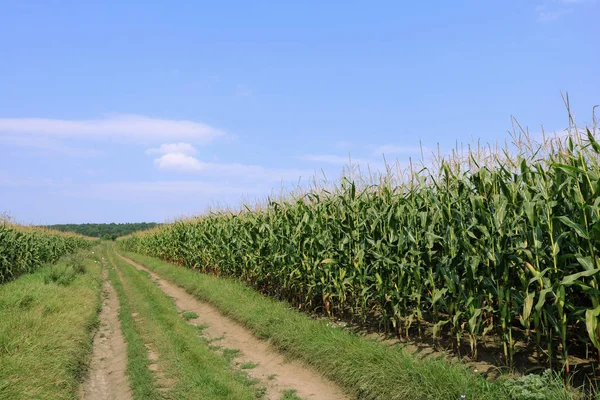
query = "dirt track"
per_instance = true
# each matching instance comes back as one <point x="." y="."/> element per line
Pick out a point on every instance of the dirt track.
<point x="107" y="379"/>
<point x="272" y="369"/>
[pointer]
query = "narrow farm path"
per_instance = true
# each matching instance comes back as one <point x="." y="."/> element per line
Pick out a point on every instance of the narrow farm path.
<point x="107" y="378"/>
<point x="271" y="368"/>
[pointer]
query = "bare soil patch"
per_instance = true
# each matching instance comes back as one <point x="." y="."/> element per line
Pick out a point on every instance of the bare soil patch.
<point x="107" y="378"/>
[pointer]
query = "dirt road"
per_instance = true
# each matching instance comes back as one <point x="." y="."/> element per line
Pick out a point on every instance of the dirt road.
<point x="274" y="372"/>
<point x="107" y="379"/>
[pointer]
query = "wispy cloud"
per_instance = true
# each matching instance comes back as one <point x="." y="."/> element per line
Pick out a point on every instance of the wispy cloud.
<point x="134" y="190"/>
<point x="556" y="9"/>
<point x="182" y="148"/>
<point x="179" y="157"/>
<point x="49" y="145"/>
<point x="545" y="15"/>
<point x="28" y="182"/>
<point x="129" y="127"/>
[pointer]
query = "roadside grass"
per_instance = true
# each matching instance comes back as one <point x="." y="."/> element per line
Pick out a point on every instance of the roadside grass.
<point x="192" y="369"/>
<point x="46" y="323"/>
<point x="65" y="272"/>
<point x="366" y="369"/>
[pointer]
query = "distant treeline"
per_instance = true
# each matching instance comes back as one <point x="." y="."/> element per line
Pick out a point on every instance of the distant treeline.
<point x="104" y="231"/>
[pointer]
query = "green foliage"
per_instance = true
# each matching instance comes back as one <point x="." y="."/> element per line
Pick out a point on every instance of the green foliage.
<point x="46" y="333"/>
<point x="493" y="242"/>
<point x="23" y="249"/>
<point x="289" y="395"/>
<point x="60" y="274"/>
<point x="104" y="231"/>
<point x="547" y="386"/>
<point x="189" y="315"/>
<point x="66" y="270"/>
<point x="366" y="369"/>
<point x="185" y="359"/>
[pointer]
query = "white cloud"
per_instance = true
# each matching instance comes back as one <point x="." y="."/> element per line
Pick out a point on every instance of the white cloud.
<point x="181" y="162"/>
<point x="179" y="157"/>
<point x="135" y="190"/>
<point x="181" y="148"/>
<point x="129" y="127"/>
<point x="49" y="145"/>
<point x="557" y="9"/>
<point x="178" y="162"/>
<point x="548" y="16"/>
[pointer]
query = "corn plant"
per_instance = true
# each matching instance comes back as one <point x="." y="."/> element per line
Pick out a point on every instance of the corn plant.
<point x="23" y="249"/>
<point x="494" y="242"/>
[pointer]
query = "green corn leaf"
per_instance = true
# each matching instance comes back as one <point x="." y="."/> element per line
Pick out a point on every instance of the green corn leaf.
<point x="580" y="230"/>
<point x="527" y="305"/>
<point x="438" y="295"/>
<point x="539" y="276"/>
<point x="570" y="279"/>
<point x="473" y="319"/>
<point x="593" y="141"/>
<point x="586" y="262"/>
<point x="542" y="299"/>
<point x="591" y="324"/>
<point x="569" y="169"/>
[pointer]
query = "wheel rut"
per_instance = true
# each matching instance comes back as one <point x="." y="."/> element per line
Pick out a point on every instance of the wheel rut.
<point x="107" y="377"/>
<point x="272" y="369"/>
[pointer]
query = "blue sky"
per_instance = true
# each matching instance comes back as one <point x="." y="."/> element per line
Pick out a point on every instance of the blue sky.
<point x="145" y="111"/>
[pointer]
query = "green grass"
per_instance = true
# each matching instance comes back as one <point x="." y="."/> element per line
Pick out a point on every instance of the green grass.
<point x="46" y="331"/>
<point x="194" y="371"/>
<point x="364" y="368"/>
<point x="189" y="315"/>
<point x="140" y="377"/>
<point x="230" y="354"/>
<point x="289" y="395"/>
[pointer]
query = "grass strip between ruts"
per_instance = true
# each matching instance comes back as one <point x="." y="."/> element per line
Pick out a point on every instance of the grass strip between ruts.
<point x="193" y="370"/>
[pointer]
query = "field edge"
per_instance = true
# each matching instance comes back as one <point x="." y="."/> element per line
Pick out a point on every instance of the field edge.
<point x="365" y="368"/>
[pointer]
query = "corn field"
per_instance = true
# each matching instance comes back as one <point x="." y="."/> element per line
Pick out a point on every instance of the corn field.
<point x="23" y="249"/>
<point x="502" y="243"/>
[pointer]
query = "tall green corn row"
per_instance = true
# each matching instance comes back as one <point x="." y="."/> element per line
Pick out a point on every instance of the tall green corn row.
<point x="507" y="244"/>
<point x="23" y="249"/>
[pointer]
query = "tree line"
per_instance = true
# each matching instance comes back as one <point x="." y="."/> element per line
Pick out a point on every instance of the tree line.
<point x="104" y="231"/>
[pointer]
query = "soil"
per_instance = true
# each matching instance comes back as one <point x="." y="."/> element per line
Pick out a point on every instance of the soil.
<point x="272" y="369"/>
<point x="107" y="378"/>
